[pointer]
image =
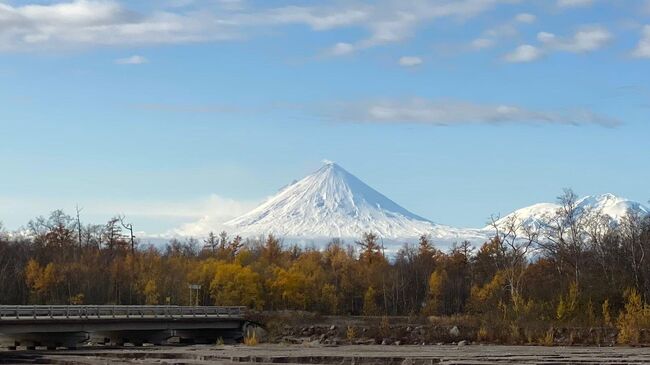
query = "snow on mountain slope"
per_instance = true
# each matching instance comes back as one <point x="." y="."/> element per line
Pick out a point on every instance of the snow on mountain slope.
<point x="334" y="203"/>
<point x="606" y="204"/>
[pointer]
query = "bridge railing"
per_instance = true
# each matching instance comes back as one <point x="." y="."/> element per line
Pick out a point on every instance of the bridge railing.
<point x="115" y="311"/>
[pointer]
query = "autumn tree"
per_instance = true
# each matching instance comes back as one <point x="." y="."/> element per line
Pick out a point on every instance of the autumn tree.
<point x="236" y="285"/>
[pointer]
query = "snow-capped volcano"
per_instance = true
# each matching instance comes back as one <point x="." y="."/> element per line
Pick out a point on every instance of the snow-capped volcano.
<point x="334" y="203"/>
<point x="608" y="205"/>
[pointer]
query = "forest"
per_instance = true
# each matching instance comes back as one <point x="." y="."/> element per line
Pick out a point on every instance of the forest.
<point x="572" y="270"/>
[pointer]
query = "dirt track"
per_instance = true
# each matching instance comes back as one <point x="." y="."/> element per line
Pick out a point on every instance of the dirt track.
<point x="343" y="355"/>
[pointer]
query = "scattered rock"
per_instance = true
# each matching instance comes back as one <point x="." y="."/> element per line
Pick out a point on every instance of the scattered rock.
<point x="365" y="342"/>
<point x="454" y="331"/>
<point x="313" y="343"/>
<point x="462" y="343"/>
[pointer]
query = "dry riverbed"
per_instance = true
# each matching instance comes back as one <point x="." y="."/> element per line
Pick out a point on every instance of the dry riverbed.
<point x="336" y="355"/>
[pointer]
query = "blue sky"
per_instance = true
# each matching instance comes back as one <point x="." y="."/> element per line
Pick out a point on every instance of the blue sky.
<point x="171" y="111"/>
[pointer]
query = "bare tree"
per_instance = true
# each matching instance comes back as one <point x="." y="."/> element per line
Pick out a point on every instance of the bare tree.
<point x="565" y="235"/>
<point x="79" y="224"/>
<point x="128" y="227"/>
<point x="210" y="242"/>
<point x="514" y="241"/>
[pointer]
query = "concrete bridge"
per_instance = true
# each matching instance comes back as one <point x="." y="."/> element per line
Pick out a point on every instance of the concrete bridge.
<point x="71" y="326"/>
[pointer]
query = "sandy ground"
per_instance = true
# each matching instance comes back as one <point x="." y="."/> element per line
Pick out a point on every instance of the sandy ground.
<point x="336" y="355"/>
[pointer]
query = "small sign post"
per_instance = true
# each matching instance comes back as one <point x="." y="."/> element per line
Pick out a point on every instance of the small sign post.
<point x="195" y="287"/>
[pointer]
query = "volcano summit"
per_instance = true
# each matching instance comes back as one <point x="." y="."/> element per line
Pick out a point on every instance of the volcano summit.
<point x="333" y="203"/>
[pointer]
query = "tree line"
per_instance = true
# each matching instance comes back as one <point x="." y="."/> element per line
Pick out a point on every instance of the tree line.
<point x="572" y="269"/>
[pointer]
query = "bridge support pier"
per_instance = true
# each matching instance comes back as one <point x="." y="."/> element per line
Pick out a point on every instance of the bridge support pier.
<point x="134" y="337"/>
<point x="208" y="336"/>
<point x="50" y="340"/>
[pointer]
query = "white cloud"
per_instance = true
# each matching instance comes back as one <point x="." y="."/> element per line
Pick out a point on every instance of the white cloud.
<point x="410" y="61"/>
<point x="545" y="37"/>
<point x="341" y="48"/>
<point x="88" y="23"/>
<point x="214" y="213"/>
<point x="316" y="18"/>
<point x="524" y="53"/>
<point x="84" y="23"/>
<point x="482" y="43"/>
<point x="642" y="49"/>
<point x="133" y="60"/>
<point x="587" y="39"/>
<point x="422" y="111"/>
<point x="525" y="18"/>
<point x="158" y="215"/>
<point x="574" y="3"/>
<point x="509" y="29"/>
<point x="393" y="21"/>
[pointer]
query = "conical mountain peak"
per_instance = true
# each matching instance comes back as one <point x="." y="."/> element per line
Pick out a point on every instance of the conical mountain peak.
<point x="330" y="202"/>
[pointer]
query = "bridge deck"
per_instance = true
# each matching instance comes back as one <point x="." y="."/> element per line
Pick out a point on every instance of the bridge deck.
<point x="70" y="325"/>
<point x="85" y="312"/>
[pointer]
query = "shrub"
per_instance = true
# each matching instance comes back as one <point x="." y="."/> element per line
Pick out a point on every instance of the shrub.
<point x="633" y="318"/>
<point x="549" y="338"/>
<point x="251" y="338"/>
<point x="351" y="333"/>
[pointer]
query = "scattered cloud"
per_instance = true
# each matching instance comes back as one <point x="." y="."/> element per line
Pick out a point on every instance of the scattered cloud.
<point x="574" y="3"/>
<point x="410" y="61"/>
<point x="393" y="21"/>
<point x="88" y="23"/>
<point x="642" y="49"/>
<point x="509" y="29"/>
<point x="133" y="60"/>
<point x="482" y="43"/>
<point x="84" y="23"/>
<point x="341" y="48"/>
<point x="525" y="18"/>
<point x="524" y="53"/>
<point x="587" y="39"/>
<point x="423" y="111"/>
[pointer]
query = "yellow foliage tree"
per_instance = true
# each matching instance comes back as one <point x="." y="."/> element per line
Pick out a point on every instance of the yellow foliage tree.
<point x="607" y="316"/>
<point x="329" y="299"/>
<point x="487" y="298"/>
<point x="42" y="281"/>
<point x="567" y="308"/>
<point x="151" y="293"/>
<point x="633" y="318"/>
<point x="370" y="307"/>
<point x="435" y="292"/>
<point x="292" y="288"/>
<point x="234" y="284"/>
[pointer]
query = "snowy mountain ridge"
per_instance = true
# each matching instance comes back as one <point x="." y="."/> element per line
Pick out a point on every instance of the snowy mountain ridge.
<point x="610" y="205"/>
<point x="333" y="203"/>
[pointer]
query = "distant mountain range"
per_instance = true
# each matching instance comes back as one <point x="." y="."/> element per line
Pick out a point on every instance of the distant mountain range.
<point x="607" y="205"/>
<point x="333" y="203"/>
